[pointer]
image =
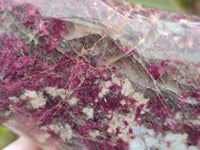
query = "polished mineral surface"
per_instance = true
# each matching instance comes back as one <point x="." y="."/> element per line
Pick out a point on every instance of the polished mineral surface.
<point x="100" y="74"/>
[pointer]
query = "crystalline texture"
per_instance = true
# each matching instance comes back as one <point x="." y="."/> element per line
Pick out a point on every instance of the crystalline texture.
<point x="99" y="74"/>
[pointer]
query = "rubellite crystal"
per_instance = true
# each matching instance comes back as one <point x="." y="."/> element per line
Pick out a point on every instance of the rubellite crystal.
<point x="99" y="74"/>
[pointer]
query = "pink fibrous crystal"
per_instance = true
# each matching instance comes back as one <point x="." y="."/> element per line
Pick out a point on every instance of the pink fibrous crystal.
<point x="99" y="74"/>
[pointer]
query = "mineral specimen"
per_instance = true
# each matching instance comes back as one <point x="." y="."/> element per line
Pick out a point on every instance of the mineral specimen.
<point x="100" y="74"/>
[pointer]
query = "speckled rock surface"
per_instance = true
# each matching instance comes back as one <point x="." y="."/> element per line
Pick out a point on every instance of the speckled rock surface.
<point x="99" y="74"/>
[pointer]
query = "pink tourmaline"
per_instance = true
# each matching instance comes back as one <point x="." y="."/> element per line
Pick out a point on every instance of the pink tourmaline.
<point x="99" y="74"/>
